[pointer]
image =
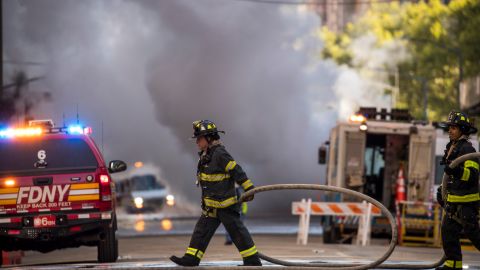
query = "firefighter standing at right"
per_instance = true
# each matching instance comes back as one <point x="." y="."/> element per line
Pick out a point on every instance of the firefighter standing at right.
<point x="459" y="196"/>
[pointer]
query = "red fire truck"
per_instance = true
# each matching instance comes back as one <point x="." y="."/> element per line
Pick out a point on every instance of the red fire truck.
<point x="56" y="191"/>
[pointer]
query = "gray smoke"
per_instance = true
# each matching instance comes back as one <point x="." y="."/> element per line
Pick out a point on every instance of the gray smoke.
<point x="147" y="69"/>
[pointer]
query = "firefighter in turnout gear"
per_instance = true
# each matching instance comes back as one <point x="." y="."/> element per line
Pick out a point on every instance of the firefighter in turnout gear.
<point x="459" y="196"/>
<point x="217" y="173"/>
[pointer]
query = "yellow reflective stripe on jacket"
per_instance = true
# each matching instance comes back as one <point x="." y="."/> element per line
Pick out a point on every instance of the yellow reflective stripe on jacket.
<point x="466" y="174"/>
<point x="244" y="208"/>
<point x="248" y="183"/>
<point x="194" y="252"/>
<point x="230" y="165"/>
<point x="220" y="204"/>
<point x="466" y="170"/>
<point x="213" y="177"/>
<point x="471" y="164"/>
<point x="249" y="252"/>
<point x="465" y="198"/>
<point x="453" y="264"/>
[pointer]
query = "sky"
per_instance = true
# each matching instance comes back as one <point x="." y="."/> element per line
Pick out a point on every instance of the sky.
<point x="140" y="72"/>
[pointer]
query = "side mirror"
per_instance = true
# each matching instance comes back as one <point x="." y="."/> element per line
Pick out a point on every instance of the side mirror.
<point x="116" y="166"/>
<point x="322" y="154"/>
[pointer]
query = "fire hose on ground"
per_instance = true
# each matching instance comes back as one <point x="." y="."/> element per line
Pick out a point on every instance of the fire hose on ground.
<point x="336" y="266"/>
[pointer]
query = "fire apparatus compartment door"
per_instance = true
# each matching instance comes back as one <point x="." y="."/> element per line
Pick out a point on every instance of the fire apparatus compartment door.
<point x="420" y="167"/>
<point x="354" y="157"/>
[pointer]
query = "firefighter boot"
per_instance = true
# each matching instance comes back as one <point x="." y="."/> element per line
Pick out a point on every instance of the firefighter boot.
<point x="186" y="260"/>
<point x="450" y="264"/>
<point x="253" y="260"/>
<point x="444" y="267"/>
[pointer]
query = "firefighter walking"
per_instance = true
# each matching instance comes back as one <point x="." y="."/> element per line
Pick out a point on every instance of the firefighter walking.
<point x="217" y="173"/>
<point x="459" y="196"/>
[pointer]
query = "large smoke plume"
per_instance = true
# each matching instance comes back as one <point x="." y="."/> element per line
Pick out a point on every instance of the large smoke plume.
<point x="141" y="71"/>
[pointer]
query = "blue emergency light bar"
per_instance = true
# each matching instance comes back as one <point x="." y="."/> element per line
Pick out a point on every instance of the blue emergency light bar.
<point x="78" y="130"/>
<point x="37" y="131"/>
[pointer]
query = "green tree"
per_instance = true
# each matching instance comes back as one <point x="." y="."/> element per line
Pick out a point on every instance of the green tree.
<point x="440" y="40"/>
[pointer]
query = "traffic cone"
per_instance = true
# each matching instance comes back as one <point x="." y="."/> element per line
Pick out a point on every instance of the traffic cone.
<point x="399" y="196"/>
<point x="400" y="186"/>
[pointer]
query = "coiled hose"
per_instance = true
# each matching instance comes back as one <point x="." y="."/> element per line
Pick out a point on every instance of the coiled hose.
<point x="375" y="264"/>
<point x="335" y="266"/>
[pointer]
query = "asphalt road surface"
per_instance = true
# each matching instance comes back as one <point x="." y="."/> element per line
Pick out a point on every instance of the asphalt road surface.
<point x="153" y="252"/>
<point x="148" y="240"/>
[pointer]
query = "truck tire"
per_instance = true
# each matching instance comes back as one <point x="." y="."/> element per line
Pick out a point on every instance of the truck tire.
<point x="107" y="249"/>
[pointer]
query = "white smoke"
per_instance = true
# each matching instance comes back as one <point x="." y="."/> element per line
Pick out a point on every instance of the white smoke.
<point x="365" y="84"/>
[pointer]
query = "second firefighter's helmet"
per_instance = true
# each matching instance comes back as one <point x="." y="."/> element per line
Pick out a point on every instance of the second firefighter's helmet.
<point x="204" y="127"/>
<point x="461" y="120"/>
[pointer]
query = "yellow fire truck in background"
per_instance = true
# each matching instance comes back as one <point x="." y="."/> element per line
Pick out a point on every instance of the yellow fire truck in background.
<point x="366" y="154"/>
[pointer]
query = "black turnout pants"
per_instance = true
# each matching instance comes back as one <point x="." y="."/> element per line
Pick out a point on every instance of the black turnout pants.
<point x="230" y="218"/>
<point x="452" y="229"/>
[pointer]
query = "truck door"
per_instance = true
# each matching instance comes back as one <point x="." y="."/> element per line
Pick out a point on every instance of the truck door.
<point x="420" y="167"/>
<point x="354" y="159"/>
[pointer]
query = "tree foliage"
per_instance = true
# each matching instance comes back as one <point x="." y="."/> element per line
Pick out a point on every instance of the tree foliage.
<point x="439" y="38"/>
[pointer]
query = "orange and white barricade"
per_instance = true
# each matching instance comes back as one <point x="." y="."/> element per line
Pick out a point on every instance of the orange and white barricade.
<point x="305" y="208"/>
<point x="304" y="221"/>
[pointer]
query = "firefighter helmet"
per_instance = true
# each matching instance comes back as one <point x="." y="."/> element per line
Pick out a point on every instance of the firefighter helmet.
<point x="461" y="120"/>
<point x="204" y="127"/>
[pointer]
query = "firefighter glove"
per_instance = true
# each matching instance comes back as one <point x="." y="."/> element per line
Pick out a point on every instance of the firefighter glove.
<point x="439" y="196"/>
<point x="452" y="172"/>
<point x="249" y="198"/>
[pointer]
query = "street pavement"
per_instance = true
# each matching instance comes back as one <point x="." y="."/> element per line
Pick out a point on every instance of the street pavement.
<point x="148" y="240"/>
<point x="153" y="252"/>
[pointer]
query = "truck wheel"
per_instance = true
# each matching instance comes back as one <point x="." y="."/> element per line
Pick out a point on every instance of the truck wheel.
<point x="107" y="249"/>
